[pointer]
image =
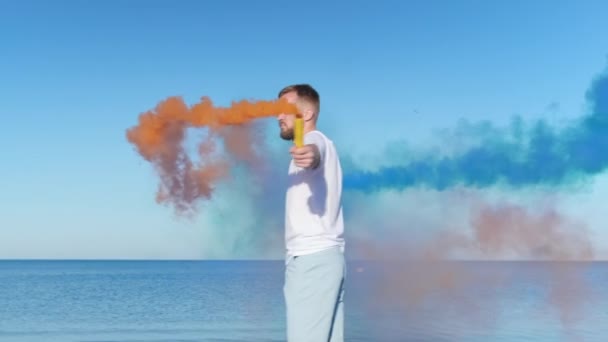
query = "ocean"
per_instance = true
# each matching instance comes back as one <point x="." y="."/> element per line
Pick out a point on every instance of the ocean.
<point x="97" y="301"/>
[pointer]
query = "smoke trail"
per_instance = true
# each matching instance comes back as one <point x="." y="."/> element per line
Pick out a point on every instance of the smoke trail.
<point x="519" y="156"/>
<point x="421" y="283"/>
<point x="231" y="140"/>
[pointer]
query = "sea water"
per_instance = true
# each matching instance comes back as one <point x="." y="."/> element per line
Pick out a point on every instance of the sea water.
<point x="243" y="301"/>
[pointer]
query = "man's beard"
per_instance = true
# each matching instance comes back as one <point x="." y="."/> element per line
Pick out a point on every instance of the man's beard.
<point x="287" y="134"/>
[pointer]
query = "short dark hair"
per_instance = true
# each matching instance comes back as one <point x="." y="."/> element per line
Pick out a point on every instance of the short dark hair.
<point x="305" y="92"/>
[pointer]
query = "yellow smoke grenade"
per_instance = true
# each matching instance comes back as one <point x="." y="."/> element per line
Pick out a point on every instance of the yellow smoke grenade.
<point x="298" y="134"/>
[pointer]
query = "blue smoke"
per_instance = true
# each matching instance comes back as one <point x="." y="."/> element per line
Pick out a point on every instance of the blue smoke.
<point x="543" y="156"/>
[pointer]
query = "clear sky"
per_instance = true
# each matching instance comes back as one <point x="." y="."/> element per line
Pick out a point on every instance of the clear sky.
<point x="75" y="75"/>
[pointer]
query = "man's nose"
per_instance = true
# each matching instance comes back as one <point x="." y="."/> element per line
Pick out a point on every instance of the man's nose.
<point x="280" y="116"/>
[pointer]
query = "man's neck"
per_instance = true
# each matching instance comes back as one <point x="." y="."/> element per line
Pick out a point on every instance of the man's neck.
<point x="309" y="127"/>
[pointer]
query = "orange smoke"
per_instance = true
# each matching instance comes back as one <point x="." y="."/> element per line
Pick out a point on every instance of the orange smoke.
<point x="160" y="134"/>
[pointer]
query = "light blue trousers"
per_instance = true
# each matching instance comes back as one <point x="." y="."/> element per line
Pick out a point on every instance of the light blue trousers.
<point x="314" y="297"/>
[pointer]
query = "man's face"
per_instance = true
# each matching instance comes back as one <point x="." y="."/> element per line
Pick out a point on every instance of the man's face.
<point x="287" y="120"/>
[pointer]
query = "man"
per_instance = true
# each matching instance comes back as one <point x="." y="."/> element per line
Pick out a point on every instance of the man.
<point x="315" y="265"/>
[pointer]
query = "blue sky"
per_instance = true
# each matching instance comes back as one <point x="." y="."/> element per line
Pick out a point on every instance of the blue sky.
<point x="77" y="74"/>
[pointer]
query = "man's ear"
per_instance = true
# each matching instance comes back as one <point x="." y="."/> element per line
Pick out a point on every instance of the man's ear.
<point x="308" y="114"/>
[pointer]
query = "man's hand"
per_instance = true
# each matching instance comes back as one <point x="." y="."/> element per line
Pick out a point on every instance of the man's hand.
<point x="306" y="156"/>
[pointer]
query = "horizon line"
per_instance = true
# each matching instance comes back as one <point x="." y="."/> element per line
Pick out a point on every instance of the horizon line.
<point x="282" y="260"/>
